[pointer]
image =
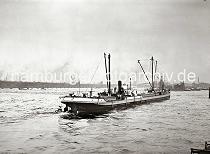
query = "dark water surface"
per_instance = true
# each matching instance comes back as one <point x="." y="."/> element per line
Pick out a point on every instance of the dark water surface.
<point x="29" y="124"/>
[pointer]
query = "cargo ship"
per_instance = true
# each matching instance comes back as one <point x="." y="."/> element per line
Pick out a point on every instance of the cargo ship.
<point x="119" y="98"/>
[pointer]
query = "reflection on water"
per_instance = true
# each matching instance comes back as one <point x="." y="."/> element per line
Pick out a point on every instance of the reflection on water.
<point x="30" y="124"/>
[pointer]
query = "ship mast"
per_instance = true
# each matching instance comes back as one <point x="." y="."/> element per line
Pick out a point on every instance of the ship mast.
<point x="155" y="76"/>
<point x="152" y="60"/>
<point x="156" y="66"/>
<point x="107" y="84"/>
<point x="108" y="74"/>
<point x="109" y="89"/>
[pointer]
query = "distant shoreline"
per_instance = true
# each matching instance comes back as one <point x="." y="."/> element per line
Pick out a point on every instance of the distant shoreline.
<point x="21" y="85"/>
<point x="44" y="85"/>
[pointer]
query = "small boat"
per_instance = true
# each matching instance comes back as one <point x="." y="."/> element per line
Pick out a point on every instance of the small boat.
<point x="23" y="88"/>
<point x="206" y="150"/>
<point x="195" y="89"/>
<point x="119" y="98"/>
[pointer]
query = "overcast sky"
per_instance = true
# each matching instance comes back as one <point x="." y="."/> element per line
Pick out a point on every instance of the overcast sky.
<point x="47" y="35"/>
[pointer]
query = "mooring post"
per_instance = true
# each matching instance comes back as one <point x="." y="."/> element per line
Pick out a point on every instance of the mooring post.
<point x="209" y="92"/>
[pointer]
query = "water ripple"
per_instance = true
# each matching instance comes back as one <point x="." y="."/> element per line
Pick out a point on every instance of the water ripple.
<point x="29" y="124"/>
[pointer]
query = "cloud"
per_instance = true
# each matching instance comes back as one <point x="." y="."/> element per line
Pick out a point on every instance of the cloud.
<point x="43" y="35"/>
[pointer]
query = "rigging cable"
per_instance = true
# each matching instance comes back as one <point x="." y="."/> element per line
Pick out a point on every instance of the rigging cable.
<point x="144" y="72"/>
<point x="94" y="73"/>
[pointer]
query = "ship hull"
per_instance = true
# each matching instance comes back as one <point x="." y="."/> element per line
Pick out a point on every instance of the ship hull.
<point x="98" y="107"/>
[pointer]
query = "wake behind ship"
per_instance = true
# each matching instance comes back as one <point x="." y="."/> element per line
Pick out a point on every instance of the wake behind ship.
<point x="117" y="98"/>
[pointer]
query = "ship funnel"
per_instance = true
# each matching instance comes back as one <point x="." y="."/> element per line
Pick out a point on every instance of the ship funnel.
<point x="119" y="87"/>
